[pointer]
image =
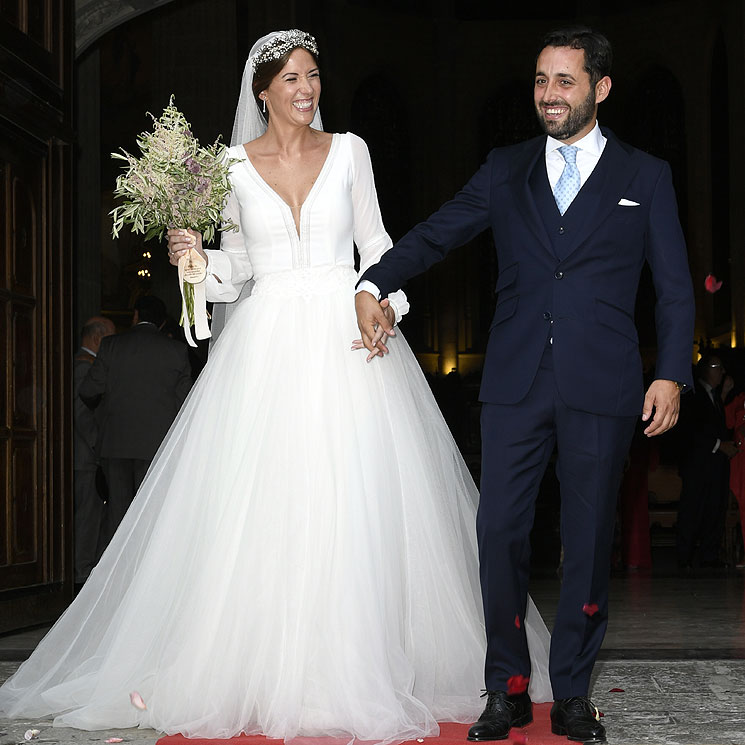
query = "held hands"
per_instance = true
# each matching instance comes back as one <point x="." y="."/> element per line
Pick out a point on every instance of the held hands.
<point x="375" y="320"/>
<point x="180" y="241"/>
<point x="664" y="397"/>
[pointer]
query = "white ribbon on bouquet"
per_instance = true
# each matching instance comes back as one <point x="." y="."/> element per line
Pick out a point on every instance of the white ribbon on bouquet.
<point x="192" y="268"/>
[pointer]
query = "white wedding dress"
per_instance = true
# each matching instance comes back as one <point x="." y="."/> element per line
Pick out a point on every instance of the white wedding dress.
<point x="300" y="559"/>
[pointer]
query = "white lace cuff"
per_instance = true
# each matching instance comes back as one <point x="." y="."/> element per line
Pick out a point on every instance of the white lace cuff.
<point x="400" y="304"/>
<point x="218" y="283"/>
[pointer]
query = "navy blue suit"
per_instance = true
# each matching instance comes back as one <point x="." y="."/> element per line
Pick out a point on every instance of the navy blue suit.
<point x="562" y="367"/>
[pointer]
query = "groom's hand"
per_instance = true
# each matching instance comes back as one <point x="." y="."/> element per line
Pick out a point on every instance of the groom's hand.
<point x="373" y="323"/>
<point x="664" y="397"/>
<point x="390" y="314"/>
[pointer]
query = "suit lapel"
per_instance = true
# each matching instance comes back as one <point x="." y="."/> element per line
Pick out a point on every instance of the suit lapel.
<point x="528" y="158"/>
<point x="600" y="195"/>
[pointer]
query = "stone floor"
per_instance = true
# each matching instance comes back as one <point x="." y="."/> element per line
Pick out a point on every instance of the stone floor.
<point x="671" y="671"/>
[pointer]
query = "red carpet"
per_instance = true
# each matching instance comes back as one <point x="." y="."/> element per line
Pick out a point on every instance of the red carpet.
<point x="537" y="733"/>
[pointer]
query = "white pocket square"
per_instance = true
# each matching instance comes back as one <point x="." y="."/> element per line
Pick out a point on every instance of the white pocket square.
<point x="628" y="203"/>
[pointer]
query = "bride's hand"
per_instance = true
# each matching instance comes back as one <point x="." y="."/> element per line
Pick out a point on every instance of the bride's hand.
<point x="180" y="241"/>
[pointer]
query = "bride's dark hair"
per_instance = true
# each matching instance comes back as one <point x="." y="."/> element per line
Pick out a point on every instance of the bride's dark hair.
<point x="267" y="71"/>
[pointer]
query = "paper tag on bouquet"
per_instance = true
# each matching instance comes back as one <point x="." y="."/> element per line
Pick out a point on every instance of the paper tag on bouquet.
<point x="194" y="267"/>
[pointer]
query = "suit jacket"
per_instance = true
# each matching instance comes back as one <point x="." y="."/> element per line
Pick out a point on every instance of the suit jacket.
<point x="140" y="378"/>
<point x="573" y="279"/>
<point x="85" y="426"/>
<point x="702" y="423"/>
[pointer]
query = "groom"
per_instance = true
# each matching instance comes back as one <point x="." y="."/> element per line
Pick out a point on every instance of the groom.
<point x="574" y="214"/>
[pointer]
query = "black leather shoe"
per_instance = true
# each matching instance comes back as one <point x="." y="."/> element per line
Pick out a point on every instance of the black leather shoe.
<point x="577" y="718"/>
<point x="501" y="713"/>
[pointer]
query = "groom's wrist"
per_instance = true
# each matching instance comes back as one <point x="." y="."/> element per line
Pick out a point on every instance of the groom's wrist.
<point x="367" y="286"/>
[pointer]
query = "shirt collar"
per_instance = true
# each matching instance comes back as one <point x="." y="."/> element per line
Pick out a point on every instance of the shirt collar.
<point x="592" y="142"/>
<point x="90" y="351"/>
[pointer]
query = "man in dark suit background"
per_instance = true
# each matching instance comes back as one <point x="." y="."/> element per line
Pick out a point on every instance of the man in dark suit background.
<point x="140" y="379"/>
<point x="573" y="227"/>
<point x="705" y="451"/>
<point x="89" y="508"/>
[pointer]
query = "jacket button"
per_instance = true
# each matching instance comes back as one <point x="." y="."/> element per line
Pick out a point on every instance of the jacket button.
<point x="558" y="274"/>
<point x="546" y="316"/>
<point x="561" y="230"/>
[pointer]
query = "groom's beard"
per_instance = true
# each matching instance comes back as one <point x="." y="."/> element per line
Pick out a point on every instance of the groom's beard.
<point x="576" y="120"/>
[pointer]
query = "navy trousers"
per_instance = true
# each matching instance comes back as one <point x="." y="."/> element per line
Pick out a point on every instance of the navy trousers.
<point x="517" y="442"/>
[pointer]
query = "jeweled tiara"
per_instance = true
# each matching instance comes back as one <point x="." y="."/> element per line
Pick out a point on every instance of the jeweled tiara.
<point x="281" y="43"/>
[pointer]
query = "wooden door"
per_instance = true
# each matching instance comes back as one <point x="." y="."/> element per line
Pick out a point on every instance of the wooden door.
<point x="36" y="189"/>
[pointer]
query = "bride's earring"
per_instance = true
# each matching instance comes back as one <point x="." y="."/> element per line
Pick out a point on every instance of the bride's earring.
<point x="264" y="109"/>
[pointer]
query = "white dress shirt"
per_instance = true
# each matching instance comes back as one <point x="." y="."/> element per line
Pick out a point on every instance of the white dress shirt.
<point x="590" y="148"/>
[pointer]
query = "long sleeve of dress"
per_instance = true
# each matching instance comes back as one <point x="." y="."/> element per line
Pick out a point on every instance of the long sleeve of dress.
<point x="370" y="235"/>
<point x="229" y="267"/>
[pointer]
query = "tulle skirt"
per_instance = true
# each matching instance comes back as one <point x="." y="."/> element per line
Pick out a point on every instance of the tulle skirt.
<point x="300" y="559"/>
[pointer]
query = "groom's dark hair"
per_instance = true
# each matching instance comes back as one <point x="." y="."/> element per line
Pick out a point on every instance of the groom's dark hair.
<point x="597" y="49"/>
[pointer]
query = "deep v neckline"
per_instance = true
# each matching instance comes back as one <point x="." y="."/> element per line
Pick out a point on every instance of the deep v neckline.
<point x="320" y="177"/>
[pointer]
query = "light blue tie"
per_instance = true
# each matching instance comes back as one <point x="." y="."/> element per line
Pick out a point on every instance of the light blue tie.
<point x="567" y="186"/>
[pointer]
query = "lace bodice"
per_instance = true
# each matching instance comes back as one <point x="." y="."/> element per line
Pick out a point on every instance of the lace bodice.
<point x="341" y="210"/>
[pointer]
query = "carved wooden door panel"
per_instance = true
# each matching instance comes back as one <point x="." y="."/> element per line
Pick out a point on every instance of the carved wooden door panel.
<point x="35" y="316"/>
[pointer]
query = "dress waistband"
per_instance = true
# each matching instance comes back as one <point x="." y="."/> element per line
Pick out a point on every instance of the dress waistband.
<point x="308" y="282"/>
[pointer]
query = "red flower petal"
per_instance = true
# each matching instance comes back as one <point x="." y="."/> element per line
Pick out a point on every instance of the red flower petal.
<point x="520" y="738"/>
<point x="616" y="690"/>
<point x="711" y="284"/>
<point x="590" y="609"/>
<point x="517" y="622"/>
<point x="137" y="701"/>
<point x="517" y="684"/>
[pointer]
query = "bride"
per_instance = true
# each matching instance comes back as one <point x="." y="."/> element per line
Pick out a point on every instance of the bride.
<point x="300" y="559"/>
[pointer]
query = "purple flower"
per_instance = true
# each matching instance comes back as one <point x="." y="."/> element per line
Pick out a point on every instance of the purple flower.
<point x="192" y="166"/>
<point x="201" y="185"/>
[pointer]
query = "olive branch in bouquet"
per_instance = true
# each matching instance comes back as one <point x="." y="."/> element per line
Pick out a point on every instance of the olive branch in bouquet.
<point x="175" y="183"/>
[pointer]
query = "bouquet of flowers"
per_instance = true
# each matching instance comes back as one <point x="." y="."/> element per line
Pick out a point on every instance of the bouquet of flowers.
<point x="176" y="183"/>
